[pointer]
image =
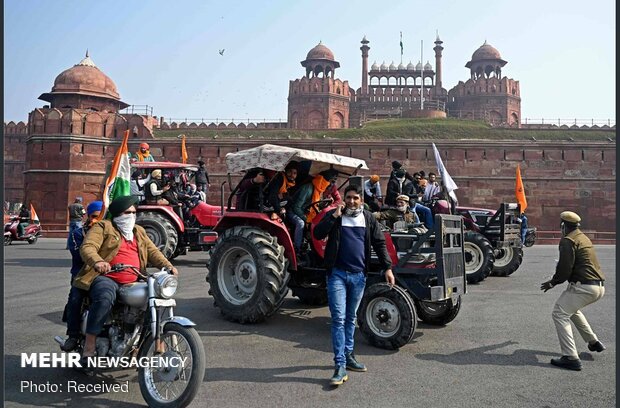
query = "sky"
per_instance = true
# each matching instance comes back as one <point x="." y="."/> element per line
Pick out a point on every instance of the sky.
<point x="165" y="54"/>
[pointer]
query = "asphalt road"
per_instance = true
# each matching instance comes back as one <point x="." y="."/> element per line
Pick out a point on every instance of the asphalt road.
<point x="494" y="354"/>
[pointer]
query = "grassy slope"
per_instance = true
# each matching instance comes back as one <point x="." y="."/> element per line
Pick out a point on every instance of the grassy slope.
<point x="416" y="129"/>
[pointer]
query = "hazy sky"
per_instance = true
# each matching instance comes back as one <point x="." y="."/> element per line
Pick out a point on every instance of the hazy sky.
<point x="165" y="53"/>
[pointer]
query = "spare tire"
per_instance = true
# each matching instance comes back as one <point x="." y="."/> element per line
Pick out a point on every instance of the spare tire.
<point x="479" y="257"/>
<point x="160" y="230"/>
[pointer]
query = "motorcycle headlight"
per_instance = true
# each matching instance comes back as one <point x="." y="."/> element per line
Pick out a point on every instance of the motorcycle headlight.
<point x="166" y="285"/>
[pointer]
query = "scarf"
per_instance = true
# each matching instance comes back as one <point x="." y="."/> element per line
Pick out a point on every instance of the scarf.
<point x="320" y="184"/>
<point x="285" y="185"/>
<point x="142" y="157"/>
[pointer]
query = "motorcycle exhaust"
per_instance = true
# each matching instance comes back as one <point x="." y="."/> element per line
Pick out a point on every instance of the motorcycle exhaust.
<point x="59" y="340"/>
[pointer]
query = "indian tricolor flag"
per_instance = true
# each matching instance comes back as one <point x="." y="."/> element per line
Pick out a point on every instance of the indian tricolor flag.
<point x="117" y="184"/>
<point x="33" y="215"/>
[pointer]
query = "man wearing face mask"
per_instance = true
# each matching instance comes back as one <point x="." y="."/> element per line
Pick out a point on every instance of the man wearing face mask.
<point x="73" y="308"/>
<point x="108" y="243"/>
<point x="579" y="266"/>
<point x="351" y="233"/>
<point x="400" y="213"/>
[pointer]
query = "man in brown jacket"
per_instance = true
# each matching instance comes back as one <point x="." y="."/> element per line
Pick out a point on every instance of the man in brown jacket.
<point x="579" y="266"/>
<point x="118" y="241"/>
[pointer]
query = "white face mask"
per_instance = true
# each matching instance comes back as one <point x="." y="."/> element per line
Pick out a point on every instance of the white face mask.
<point x="402" y="208"/>
<point x="352" y="212"/>
<point x="125" y="224"/>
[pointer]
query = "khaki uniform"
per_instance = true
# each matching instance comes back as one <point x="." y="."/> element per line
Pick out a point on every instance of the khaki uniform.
<point x="391" y="216"/>
<point x="579" y="266"/>
<point x="102" y="244"/>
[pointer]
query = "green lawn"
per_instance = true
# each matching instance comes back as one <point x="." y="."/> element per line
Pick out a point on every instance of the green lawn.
<point x="412" y="129"/>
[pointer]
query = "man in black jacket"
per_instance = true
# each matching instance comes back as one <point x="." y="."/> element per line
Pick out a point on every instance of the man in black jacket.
<point x="352" y="232"/>
<point x="202" y="178"/>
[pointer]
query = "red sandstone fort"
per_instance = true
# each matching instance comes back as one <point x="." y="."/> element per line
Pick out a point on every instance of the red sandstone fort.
<point x="63" y="150"/>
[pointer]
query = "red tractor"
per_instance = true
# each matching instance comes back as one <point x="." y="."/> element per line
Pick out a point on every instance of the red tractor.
<point x="253" y="263"/>
<point x="176" y="229"/>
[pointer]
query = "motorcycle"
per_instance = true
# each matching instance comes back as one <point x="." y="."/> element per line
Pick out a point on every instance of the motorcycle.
<point x="142" y="325"/>
<point x="32" y="232"/>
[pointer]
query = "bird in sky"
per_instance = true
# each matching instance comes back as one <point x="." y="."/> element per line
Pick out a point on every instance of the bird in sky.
<point x="222" y="51"/>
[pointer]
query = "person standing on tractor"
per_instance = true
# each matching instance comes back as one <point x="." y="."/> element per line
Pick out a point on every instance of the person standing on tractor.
<point x="299" y="214"/>
<point x="202" y="178"/>
<point x="372" y="193"/>
<point x="351" y="232"/>
<point x="144" y="154"/>
<point x="279" y="187"/>
<point x="398" y="185"/>
<point x="579" y="266"/>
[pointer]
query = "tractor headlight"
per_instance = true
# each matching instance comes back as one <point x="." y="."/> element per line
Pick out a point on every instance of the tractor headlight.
<point x="165" y="285"/>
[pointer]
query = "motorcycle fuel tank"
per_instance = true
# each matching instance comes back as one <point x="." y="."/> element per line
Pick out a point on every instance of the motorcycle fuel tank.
<point x="133" y="294"/>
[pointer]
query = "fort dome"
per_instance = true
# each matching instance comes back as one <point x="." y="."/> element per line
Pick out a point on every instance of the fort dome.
<point x="84" y="78"/>
<point x="320" y="52"/>
<point x="485" y="52"/>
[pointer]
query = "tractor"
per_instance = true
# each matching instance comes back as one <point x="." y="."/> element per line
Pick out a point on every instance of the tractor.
<point x="253" y="263"/>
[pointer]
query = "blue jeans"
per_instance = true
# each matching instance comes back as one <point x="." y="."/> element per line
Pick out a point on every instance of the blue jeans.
<point x="299" y="225"/>
<point x="344" y="293"/>
<point x="102" y="294"/>
<point x="426" y="213"/>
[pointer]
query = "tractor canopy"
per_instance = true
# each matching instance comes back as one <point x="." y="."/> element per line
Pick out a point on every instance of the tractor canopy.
<point x="274" y="157"/>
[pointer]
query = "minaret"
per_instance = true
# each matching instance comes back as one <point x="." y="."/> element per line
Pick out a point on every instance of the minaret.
<point x="364" y="49"/>
<point x="438" y="48"/>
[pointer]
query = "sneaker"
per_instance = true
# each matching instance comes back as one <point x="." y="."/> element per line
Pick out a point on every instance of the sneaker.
<point x="70" y="344"/>
<point x="597" y="346"/>
<point x="354" y="365"/>
<point x="565" y="362"/>
<point x="340" y="376"/>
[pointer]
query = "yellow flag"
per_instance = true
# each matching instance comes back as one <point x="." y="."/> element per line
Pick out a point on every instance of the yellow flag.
<point x="183" y="150"/>
<point x="520" y="192"/>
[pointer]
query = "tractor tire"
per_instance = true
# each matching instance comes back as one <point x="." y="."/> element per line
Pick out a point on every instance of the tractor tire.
<point x="248" y="274"/>
<point x="160" y="230"/>
<point x="387" y="316"/>
<point x="438" y="313"/>
<point x="479" y="257"/>
<point x="311" y="296"/>
<point x="507" y="260"/>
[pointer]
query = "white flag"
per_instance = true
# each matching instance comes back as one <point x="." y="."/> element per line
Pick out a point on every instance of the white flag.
<point x="446" y="180"/>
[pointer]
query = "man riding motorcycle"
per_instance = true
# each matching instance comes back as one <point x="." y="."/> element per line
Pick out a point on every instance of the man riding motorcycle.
<point x="118" y="241"/>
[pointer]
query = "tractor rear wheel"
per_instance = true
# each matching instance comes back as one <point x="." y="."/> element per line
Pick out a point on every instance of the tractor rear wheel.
<point x="248" y="274"/>
<point x="479" y="257"/>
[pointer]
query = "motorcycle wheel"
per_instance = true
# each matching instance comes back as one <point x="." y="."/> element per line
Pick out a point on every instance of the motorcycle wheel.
<point x="175" y="386"/>
<point x="7" y="240"/>
<point x="33" y="240"/>
<point x="387" y="316"/>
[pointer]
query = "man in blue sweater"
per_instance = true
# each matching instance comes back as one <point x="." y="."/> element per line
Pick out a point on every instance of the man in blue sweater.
<point x="352" y="232"/>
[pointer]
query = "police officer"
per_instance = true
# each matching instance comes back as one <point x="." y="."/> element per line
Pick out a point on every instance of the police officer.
<point x="579" y="266"/>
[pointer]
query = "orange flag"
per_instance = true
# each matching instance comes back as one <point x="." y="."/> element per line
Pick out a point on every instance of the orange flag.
<point x="520" y="191"/>
<point x="33" y="215"/>
<point x="183" y="150"/>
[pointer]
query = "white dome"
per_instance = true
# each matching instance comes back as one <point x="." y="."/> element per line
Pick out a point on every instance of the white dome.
<point x="392" y="66"/>
<point x="401" y="66"/>
<point x="418" y="66"/>
<point x="384" y="66"/>
<point x="410" y="66"/>
<point x="428" y="67"/>
<point x="374" y="66"/>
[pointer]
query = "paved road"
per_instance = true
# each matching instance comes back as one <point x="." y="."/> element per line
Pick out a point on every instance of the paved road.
<point x="495" y="354"/>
